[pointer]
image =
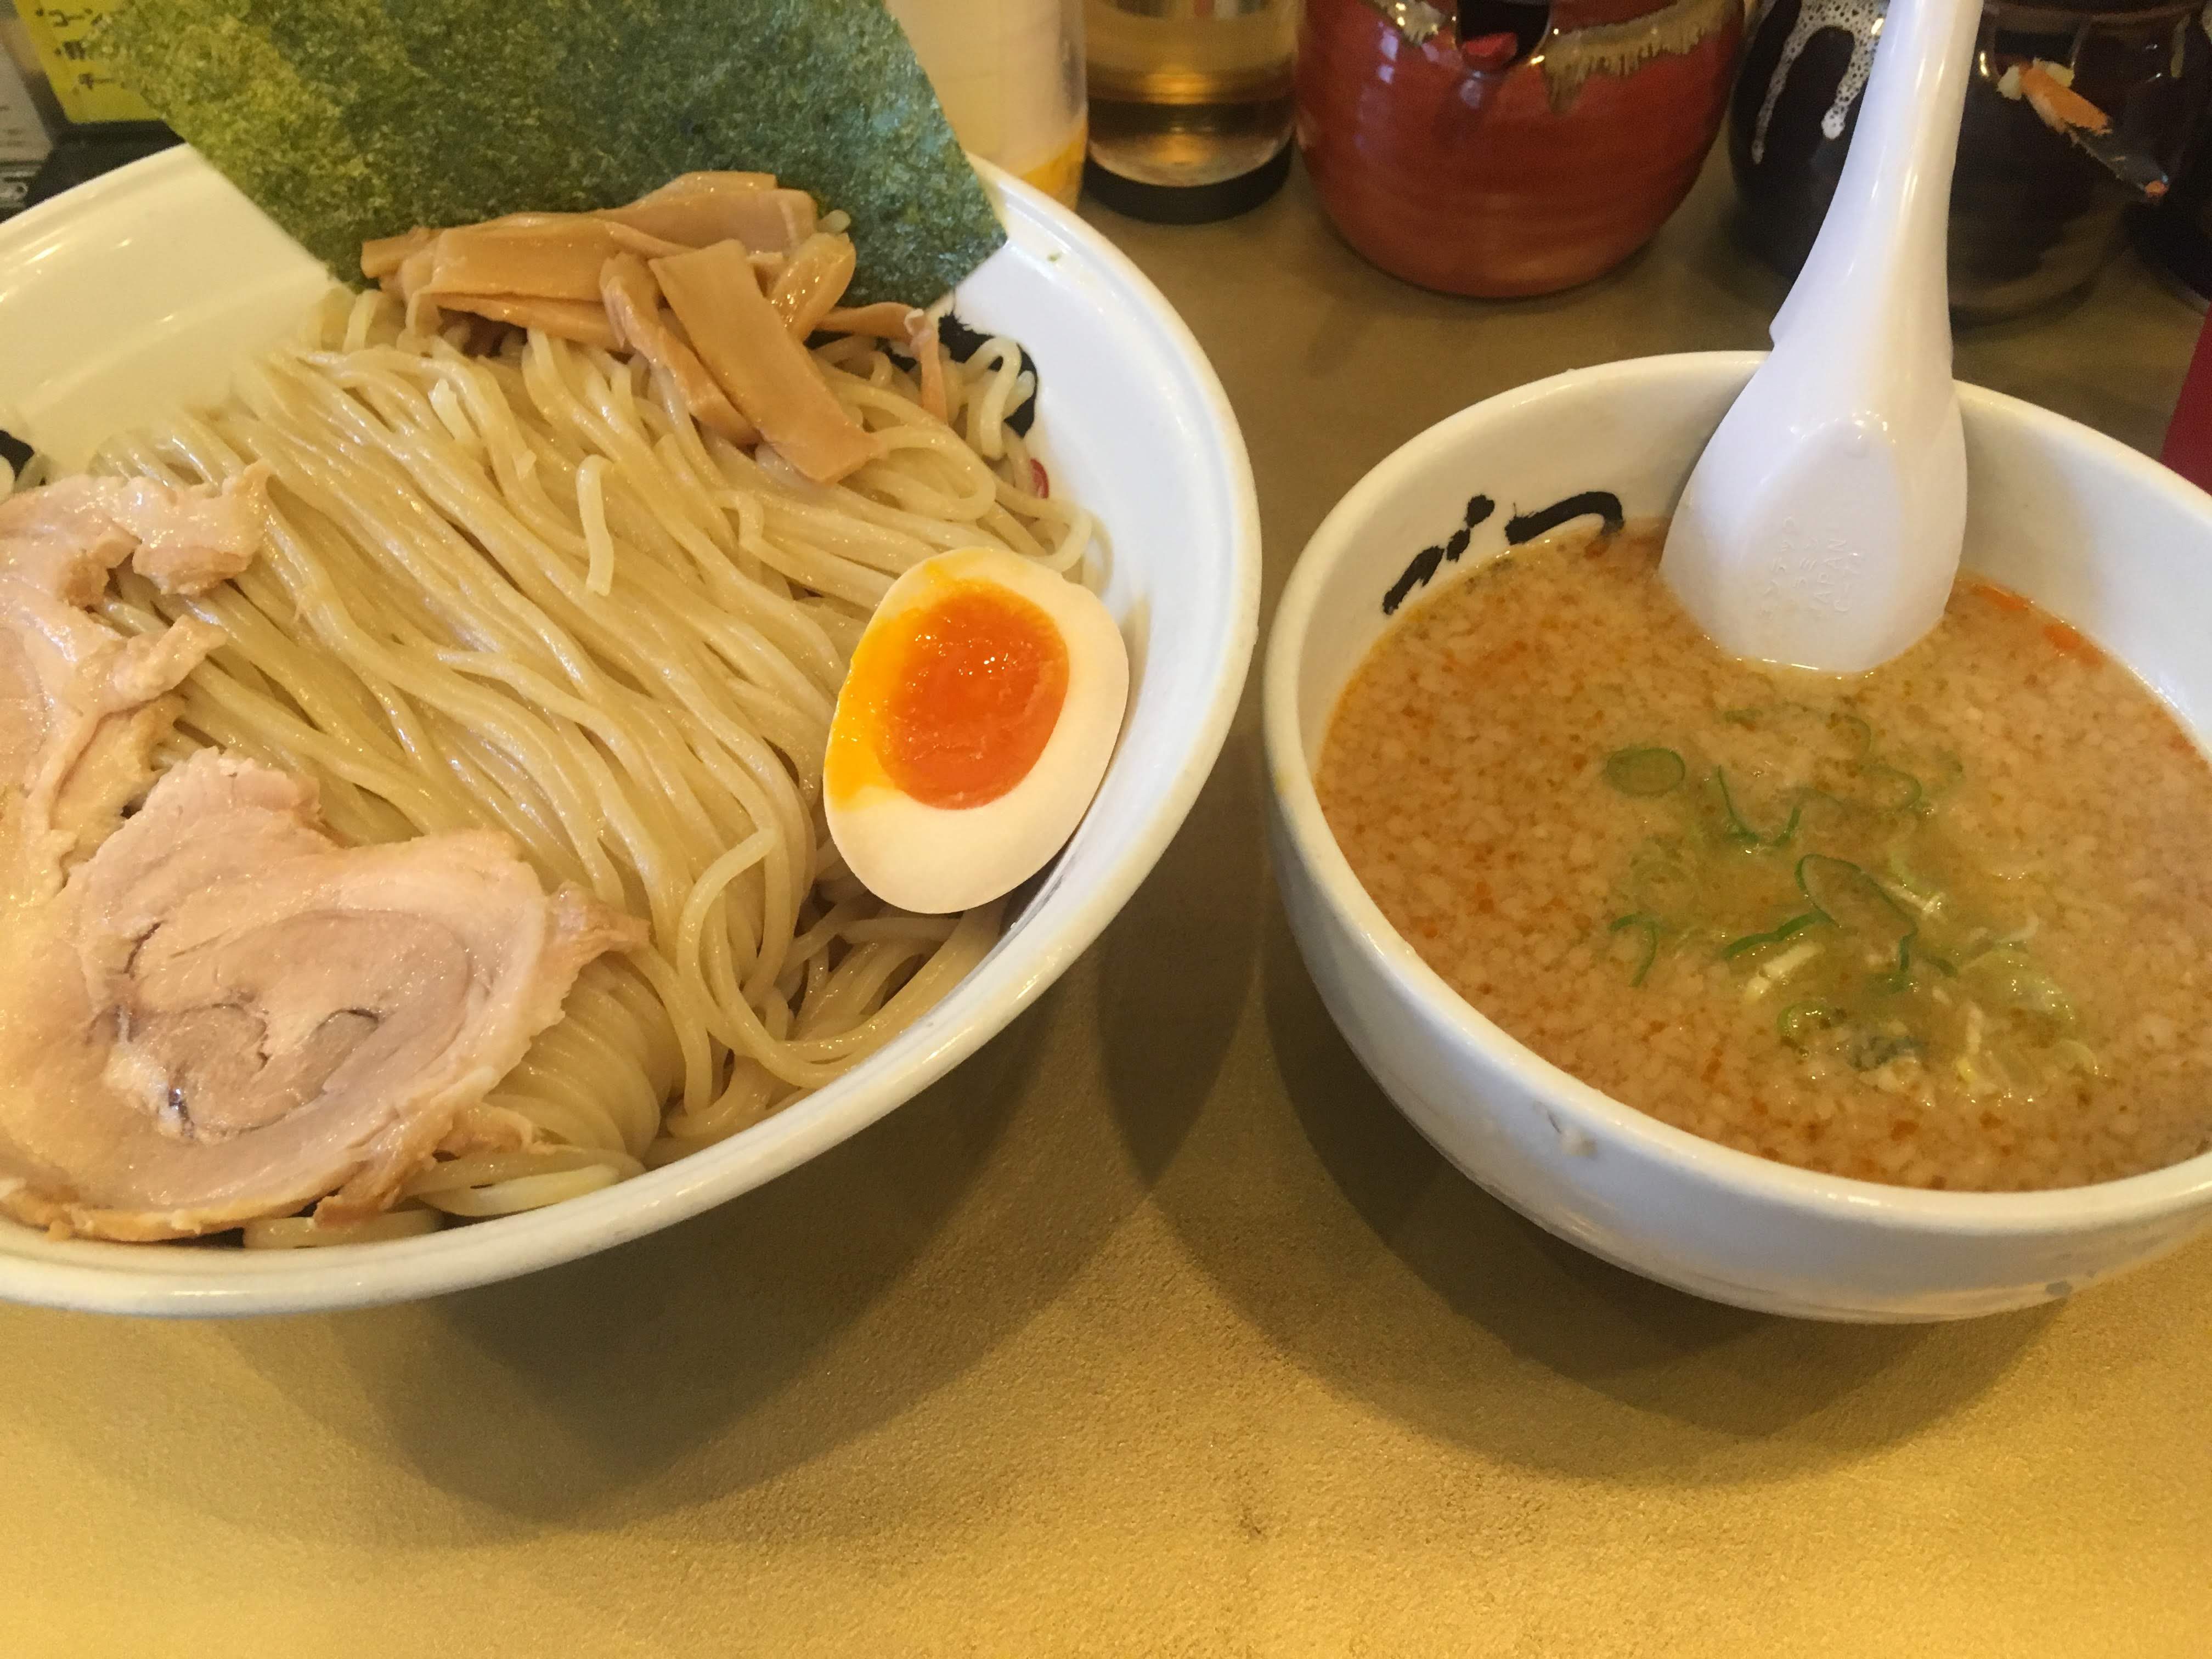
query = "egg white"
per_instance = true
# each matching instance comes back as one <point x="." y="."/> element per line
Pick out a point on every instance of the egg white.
<point x="936" y="860"/>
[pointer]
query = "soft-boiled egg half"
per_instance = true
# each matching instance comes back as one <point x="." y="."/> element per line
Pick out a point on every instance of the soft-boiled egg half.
<point x="982" y="705"/>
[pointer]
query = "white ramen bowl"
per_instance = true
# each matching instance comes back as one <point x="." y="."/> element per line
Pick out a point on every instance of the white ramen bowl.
<point x="150" y="284"/>
<point x="2110" y="541"/>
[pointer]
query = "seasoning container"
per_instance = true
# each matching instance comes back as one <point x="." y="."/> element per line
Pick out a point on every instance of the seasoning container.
<point x="2177" y="234"/>
<point x="24" y="141"/>
<point x="2038" y="205"/>
<point x="1010" y="77"/>
<point x="94" y="121"/>
<point x="1190" y="105"/>
<point x="85" y="83"/>
<point x="1507" y="148"/>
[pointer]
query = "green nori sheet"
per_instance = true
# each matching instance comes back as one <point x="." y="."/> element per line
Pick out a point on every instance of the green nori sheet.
<point x="346" y="119"/>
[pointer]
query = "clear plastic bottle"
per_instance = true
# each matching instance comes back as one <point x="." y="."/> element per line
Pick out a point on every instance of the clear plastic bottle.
<point x="1190" y="103"/>
<point x="1010" y="75"/>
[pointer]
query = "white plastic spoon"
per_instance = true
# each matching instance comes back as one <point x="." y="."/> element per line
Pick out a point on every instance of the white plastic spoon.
<point x="1823" y="523"/>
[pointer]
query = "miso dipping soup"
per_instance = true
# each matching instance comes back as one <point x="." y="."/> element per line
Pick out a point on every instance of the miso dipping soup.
<point x="1947" y="924"/>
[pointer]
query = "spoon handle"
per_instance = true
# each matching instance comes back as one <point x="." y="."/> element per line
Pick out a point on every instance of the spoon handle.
<point x="1883" y="241"/>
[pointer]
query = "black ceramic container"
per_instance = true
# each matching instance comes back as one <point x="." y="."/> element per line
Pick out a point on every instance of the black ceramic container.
<point x="2032" y="217"/>
<point x="2178" y="231"/>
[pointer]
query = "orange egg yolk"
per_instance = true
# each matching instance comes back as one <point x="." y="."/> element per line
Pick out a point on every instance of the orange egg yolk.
<point x="952" y="702"/>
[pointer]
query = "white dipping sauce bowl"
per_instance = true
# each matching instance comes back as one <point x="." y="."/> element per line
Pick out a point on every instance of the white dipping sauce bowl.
<point x="2094" y="532"/>
<point x="151" y="284"/>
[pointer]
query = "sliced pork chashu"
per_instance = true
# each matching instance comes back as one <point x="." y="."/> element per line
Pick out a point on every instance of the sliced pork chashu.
<point x="185" y="538"/>
<point x="225" y="1015"/>
<point x="81" y="705"/>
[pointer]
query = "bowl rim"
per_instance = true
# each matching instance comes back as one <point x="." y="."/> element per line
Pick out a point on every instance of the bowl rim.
<point x="2145" y="1197"/>
<point x="172" y="1283"/>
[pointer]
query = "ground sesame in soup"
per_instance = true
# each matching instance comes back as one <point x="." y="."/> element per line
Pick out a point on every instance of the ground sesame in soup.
<point x="1946" y="923"/>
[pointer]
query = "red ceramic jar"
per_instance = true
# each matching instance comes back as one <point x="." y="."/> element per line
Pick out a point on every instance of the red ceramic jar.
<point x="1477" y="170"/>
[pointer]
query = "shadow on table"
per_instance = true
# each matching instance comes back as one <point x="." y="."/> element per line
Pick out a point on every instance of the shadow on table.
<point x="1398" y="1281"/>
<point x="1176" y="966"/>
<point x="708" y="1357"/>
<point x="701" y="1360"/>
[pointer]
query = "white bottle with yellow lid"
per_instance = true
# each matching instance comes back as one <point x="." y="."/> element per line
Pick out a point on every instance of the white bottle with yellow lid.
<point x="1010" y="75"/>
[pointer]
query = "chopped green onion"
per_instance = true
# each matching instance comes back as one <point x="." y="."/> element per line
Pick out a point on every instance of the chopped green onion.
<point x="1869" y="1050"/>
<point x="1894" y="791"/>
<point x="1852" y="899"/>
<point x="1815" y="811"/>
<point x="1819" y="811"/>
<point x="1854" y="729"/>
<point x="1643" y="771"/>
<point x="1738" y="829"/>
<point x="1734" y="828"/>
<point x="2009" y="977"/>
<point x="1910" y="950"/>
<point x="1923" y="891"/>
<point x="2078" y="1055"/>
<point x="1648" y="928"/>
<point x="2013" y="1069"/>
<point x="1798" y="1022"/>
<point x="1788" y="929"/>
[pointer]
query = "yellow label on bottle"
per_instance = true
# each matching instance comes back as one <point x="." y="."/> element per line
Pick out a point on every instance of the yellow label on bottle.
<point x="85" y="83"/>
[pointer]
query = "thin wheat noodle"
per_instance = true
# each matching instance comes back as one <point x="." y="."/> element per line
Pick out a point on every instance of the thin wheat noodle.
<point x="304" y="1232"/>
<point x="592" y="506"/>
<point x="484" y="1169"/>
<point x="527" y="591"/>
<point x="528" y="1192"/>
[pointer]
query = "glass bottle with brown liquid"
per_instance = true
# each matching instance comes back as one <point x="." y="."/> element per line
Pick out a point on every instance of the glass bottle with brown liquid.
<point x="1190" y="103"/>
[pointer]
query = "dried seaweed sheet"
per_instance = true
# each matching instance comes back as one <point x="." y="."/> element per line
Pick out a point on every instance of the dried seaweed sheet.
<point x="345" y="120"/>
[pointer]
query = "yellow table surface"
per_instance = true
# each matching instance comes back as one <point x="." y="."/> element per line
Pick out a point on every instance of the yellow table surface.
<point x="1155" y="1329"/>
